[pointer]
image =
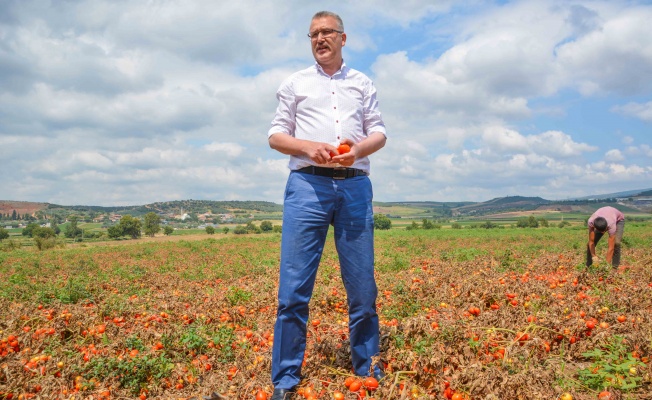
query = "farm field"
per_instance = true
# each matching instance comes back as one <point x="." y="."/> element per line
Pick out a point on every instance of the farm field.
<point x="465" y="314"/>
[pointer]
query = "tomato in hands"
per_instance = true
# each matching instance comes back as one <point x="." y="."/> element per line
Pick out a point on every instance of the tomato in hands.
<point x="341" y="149"/>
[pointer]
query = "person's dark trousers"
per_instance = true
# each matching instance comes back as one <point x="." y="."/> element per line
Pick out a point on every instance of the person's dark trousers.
<point x="312" y="203"/>
<point x="615" y="262"/>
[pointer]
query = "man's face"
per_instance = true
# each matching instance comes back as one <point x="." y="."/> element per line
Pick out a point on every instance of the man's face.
<point x="327" y="50"/>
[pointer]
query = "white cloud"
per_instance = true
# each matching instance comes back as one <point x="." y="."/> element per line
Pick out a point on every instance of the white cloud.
<point x="116" y="103"/>
<point x="230" y="150"/>
<point x="642" y="150"/>
<point x="551" y="143"/>
<point x="603" y="60"/>
<point x="642" y="111"/>
<point x="614" y="155"/>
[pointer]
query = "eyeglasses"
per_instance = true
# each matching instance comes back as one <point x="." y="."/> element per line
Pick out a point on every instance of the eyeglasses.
<point x="325" y="33"/>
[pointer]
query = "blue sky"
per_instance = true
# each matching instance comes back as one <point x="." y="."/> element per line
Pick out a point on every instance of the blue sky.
<point x="132" y="102"/>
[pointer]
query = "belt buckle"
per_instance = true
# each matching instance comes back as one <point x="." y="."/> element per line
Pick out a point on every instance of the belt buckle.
<point x="339" y="173"/>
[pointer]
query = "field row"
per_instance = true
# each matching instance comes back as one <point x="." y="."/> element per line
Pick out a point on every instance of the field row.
<point x="509" y="313"/>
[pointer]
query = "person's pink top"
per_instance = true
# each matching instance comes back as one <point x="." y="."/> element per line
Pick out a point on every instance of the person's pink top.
<point x="612" y="215"/>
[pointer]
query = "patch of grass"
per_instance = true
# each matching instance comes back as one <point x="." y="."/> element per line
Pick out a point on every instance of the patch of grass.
<point x="612" y="366"/>
<point x="73" y="292"/>
<point x="134" y="373"/>
<point x="192" y="340"/>
<point x="237" y="296"/>
<point x="461" y="254"/>
<point x="134" y="342"/>
<point x="223" y="340"/>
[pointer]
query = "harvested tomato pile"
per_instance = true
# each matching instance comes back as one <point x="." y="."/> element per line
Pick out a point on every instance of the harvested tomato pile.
<point x="471" y="314"/>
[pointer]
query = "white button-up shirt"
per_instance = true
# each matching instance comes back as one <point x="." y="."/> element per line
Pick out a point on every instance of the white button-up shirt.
<point x="321" y="108"/>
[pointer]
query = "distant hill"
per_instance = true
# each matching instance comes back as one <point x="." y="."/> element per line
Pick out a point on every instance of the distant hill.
<point x="634" y="202"/>
<point x="7" y="207"/>
<point x="501" y="205"/>
<point x="628" y="193"/>
<point x="629" y="201"/>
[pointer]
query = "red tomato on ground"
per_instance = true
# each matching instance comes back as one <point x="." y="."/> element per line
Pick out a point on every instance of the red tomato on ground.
<point x="370" y="383"/>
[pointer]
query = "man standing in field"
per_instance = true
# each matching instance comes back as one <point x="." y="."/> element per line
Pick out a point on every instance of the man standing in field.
<point x="605" y="220"/>
<point x="319" y="108"/>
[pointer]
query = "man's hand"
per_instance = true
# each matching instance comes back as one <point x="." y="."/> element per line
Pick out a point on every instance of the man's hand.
<point x="318" y="152"/>
<point x="346" y="159"/>
<point x="595" y="259"/>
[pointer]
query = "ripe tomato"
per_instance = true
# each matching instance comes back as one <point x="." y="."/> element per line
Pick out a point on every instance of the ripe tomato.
<point x="621" y="318"/>
<point x="457" y="396"/>
<point x="348" y="381"/>
<point x="370" y="383"/>
<point x="604" y="395"/>
<point x="338" y="395"/>
<point x="261" y="395"/>
<point x="590" y="324"/>
<point x="309" y="392"/>
<point x="355" y="385"/>
<point x="566" y="396"/>
<point x="343" y="148"/>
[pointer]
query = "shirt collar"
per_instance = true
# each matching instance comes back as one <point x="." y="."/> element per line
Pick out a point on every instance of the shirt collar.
<point x="343" y="69"/>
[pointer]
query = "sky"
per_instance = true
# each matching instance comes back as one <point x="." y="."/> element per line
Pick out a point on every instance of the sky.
<point x="130" y="102"/>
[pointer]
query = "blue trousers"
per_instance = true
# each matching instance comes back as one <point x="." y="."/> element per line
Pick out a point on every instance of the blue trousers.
<point x="313" y="203"/>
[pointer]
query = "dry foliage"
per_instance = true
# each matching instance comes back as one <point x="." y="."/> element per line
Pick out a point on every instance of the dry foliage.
<point x="489" y="315"/>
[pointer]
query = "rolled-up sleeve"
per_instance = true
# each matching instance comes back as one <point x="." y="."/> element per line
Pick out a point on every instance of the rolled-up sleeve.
<point x="285" y="118"/>
<point x="373" y="120"/>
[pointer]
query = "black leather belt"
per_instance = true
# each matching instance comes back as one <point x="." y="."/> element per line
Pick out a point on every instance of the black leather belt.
<point x="335" y="173"/>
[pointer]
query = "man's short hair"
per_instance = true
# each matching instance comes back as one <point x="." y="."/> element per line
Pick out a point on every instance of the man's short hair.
<point x="324" y="14"/>
<point x="600" y="224"/>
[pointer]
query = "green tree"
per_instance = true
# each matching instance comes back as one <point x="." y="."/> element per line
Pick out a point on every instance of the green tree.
<point x="266" y="226"/>
<point x="382" y="222"/>
<point x="277" y="229"/>
<point x="130" y="226"/>
<point x="252" y="228"/>
<point x="543" y="222"/>
<point x="413" y="227"/>
<point x="167" y="230"/>
<point x="522" y="222"/>
<point x="456" y="225"/>
<point x="152" y="224"/>
<point x="44" y="233"/>
<point x="239" y="230"/>
<point x="210" y="230"/>
<point x="114" y="231"/>
<point x="28" y="230"/>
<point x="72" y="230"/>
<point x="55" y="227"/>
<point x="427" y="224"/>
<point x="532" y="222"/>
<point x="225" y="230"/>
<point x="4" y="234"/>
<point x="488" y="225"/>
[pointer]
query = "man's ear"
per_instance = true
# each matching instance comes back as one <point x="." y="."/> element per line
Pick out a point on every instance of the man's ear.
<point x="343" y="39"/>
